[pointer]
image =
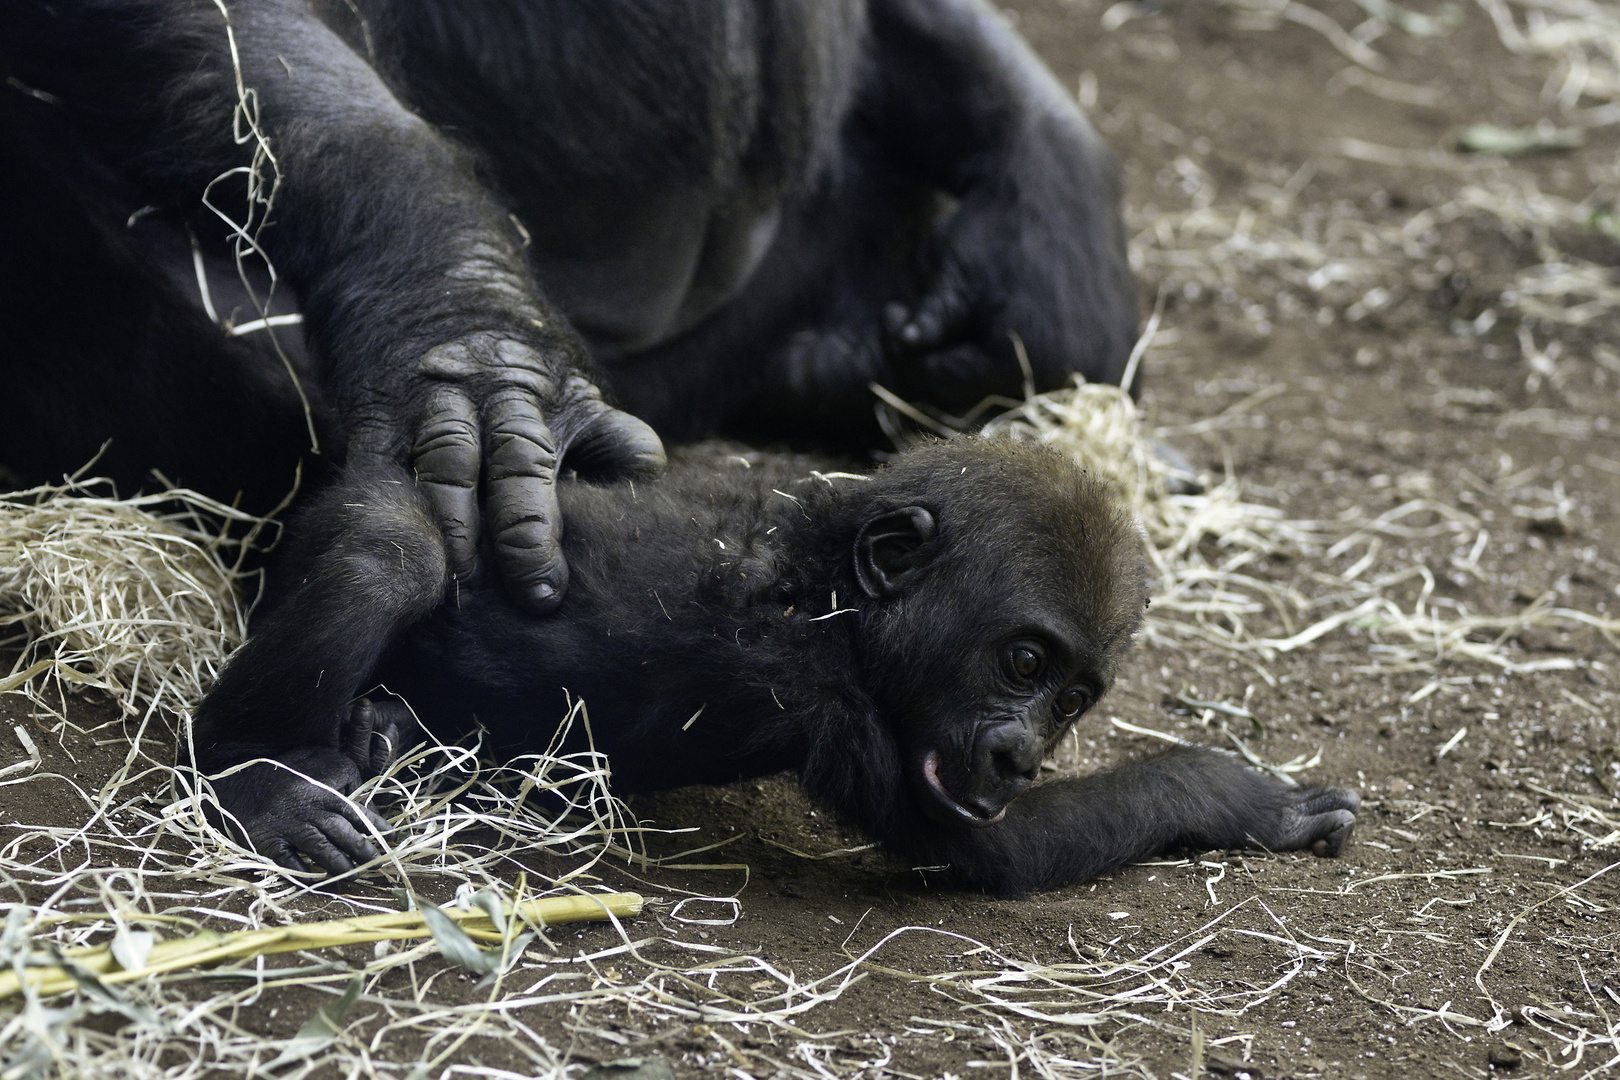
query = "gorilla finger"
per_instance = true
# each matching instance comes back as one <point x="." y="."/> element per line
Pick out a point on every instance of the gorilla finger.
<point x="361" y="819"/>
<point x="959" y="365"/>
<point x="280" y="852"/>
<point x="941" y="316"/>
<point x="446" y="458"/>
<point x="357" y="733"/>
<point x="312" y="842"/>
<point x="615" y="444"/>
<point x="524" y="521"/>
<point x="346" y="839"/>
<point x="961" y="377"/>
<point x="895" y="317"/>
<point x="384" y="827"/>
<point x="384" y="750"/>
<point x="394" y="729"/>
<point x="1332" y="830"/>
<point x="1321" y="800"/>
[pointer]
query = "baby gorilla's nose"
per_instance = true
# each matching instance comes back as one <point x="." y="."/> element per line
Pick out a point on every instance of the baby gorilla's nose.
<point x="1006" y="758"/>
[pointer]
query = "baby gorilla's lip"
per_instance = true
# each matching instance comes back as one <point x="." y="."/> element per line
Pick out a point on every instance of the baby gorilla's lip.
<point x="948" y="801"/>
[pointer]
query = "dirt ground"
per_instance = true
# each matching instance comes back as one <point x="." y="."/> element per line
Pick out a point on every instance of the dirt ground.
<point x="1464" y="932"/>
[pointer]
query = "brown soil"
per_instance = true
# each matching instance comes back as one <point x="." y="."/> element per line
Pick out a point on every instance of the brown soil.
<point x="1449" y="851"/>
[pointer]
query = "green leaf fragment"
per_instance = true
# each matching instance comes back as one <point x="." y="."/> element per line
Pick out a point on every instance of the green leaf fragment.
<point x="1543" y="138"/>
<point x="321" y="1030"/>
<point x="456" y="946"/>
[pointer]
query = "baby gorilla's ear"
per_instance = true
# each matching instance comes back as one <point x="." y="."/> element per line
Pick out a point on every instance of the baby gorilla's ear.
<point x="889" y="551"/>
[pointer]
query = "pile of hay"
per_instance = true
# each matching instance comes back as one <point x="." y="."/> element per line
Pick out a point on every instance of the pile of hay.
<point x="139" y="598"/>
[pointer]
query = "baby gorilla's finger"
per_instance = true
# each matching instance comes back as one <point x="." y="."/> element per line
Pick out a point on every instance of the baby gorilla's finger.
<point x="357" y="734"/>
<point x="393" y="729"/>
<point x="521" y="501"/>
<point x="1332" y="832"/>
<point x="375" y="734"/>
<point x="1321" y="800"/>
<point x="445" y="456"/>
<point x="1320" y="820"/>
<point x="895" y="317"/>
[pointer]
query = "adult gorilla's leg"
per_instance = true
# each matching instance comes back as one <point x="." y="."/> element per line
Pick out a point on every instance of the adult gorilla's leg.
<point x="970" y="209"/>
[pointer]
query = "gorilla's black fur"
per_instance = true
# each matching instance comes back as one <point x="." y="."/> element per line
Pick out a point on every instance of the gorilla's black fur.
<point x="912" y="644"/>
<point x="728" y="214"/>
<point x="724" y="213"/>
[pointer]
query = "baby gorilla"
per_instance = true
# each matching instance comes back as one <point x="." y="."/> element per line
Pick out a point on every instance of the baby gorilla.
<point x="912" y="644"/>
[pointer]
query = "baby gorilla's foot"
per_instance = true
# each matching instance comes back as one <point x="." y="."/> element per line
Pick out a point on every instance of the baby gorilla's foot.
<point x="297" y="807"/>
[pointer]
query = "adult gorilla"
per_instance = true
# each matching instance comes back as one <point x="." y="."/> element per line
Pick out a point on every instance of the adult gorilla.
<point x="727" y="214"/>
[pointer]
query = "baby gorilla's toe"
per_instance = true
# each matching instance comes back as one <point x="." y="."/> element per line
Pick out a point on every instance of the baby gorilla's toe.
<point x="376" y="733"/>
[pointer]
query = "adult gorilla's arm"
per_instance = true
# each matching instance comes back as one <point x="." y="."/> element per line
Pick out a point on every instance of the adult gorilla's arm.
<point x="432" y="337"/>
<point x="1035" y="248"/>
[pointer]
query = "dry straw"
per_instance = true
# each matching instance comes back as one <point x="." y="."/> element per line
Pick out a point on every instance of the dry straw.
<point x="145" y="861"/>
<point x="140" y="599"/>
<point x="137" y="598"/>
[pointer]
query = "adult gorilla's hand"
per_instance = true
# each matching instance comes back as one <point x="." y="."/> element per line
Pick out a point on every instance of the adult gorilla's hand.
<point x="1032" y="253"/>
<point x="486" y="427"/>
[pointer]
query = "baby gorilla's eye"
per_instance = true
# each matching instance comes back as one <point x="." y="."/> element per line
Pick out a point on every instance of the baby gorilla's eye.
<point x="1023" y="662"/>
<point x="1073" y="700"/>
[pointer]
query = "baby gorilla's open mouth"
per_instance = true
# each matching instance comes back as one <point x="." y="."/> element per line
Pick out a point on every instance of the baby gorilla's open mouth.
<point x="951" y="807"/>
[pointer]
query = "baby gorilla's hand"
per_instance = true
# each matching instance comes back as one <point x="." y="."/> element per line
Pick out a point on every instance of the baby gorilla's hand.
<point x="1266" y="813"/>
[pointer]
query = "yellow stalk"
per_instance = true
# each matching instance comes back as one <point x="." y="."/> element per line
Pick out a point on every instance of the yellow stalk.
<point x="212" y="947"/>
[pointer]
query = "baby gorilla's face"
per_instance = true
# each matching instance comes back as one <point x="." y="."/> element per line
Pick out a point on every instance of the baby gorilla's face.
<point x="983" y="693"/>
<point x="996" y="639"/>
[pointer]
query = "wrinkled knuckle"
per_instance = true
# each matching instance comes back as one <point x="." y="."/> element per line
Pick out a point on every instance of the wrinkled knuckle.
<point x="519" y="459"/>
<point x="358" y="848"/>
<point x="531" y="560"/>
<point x="579" y="405"/>
<point x="580" y="397"/>
<point x="451" y="361"/>
<point x="507" y="396"/>
<point x="448" y="434"/>
<point x="521" y="448"/>
<point x="580" y="390"/>
<point x="522" y="538"/>
<point x="524" y="433"/>
<point x="517" y="357"/>
<point x="267" y="838"/>
<point x="446" y="452"/>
